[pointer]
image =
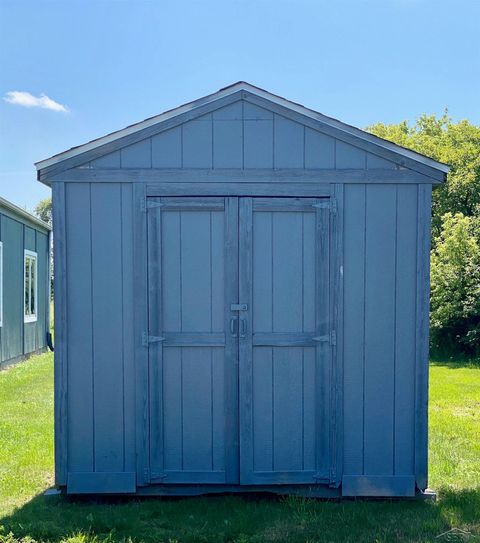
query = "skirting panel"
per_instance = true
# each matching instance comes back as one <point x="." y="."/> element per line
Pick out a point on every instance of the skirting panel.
<point x="359" y="485"/>
<point x="101" y="483"/>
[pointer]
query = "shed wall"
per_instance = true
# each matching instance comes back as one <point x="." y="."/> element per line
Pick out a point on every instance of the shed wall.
<point x="99" y="308"/>
<point x="16" y="337"/>
<point x="380" y="271"/>
<point x="380" y="342"/>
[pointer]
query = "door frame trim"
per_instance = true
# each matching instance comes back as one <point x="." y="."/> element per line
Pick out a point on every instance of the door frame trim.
<point x="140" y="193"/>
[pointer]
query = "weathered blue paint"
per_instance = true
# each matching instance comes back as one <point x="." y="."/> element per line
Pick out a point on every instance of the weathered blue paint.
<point x="318" y="381"/>
<point x="20" y="231"/>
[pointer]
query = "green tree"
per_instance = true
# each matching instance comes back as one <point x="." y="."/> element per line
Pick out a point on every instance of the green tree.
<point x="455" y="258"/>
<point x="43" y="210"/>
<point x="455" y="285"/>
<point x="456" y="144"/>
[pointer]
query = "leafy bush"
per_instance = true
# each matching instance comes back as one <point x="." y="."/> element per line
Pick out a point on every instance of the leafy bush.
<point x="455" y="285"/>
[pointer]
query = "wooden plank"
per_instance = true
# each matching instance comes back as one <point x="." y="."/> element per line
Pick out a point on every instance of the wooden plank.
<point x="289" y="339"/>
<point x="195" y="271"/>
<point x="197" y="144"/>
<point x="106" y="224"/>
<point x="171" y="273"/>
<point x="262" y="409"/>
<point x="156" y="250"/>
<point x="61" y="335"/>
<point x="324" y="323"/>
<point x="227" y="144"/>
<point x="289" y="140"/>
<point x="231" y="354"/>
<point x="245" y="343"/>
<point x="140" y="326"/>
<point x="172" y="409"/>
<point x="219" y="408"/>
<point x="43" y="294"/>
<point x="354" y="327"/>
<point x="193" y="339"/>
<point x="101" y="483"/>
<point x="349" y="157"/>
<point x="337" y="299"/>
<point x="422" y="325"/>
<point x="319" y="150"/>
<point x="197" y="410"/>
<point x="110" y="160"/>
<point x="128" y="326"/>
<point x="137" y="155"/>
<point x="254" y="174"/>
<point x="374" y="486"/>
<point x="257" y="143"/>
<point x="379" y="329"/>
<point x="78" y="238"/>
<point x="405" y="308"/>
<point x="167" y="149"/>
<point x="287" y="409"/>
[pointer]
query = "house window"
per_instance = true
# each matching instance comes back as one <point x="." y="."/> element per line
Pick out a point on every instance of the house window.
<point x="1" y="283"/>
<point x="30" y="287"/>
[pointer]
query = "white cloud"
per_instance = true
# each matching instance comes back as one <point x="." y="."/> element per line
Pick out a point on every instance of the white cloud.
<point x="26" y="99"/>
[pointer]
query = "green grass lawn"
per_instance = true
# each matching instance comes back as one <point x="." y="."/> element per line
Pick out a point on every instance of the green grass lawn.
<point x="26" y="462"/>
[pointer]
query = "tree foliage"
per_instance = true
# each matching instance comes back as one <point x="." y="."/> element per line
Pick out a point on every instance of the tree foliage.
<point x="455" y="259"/>
<point x="455" y="144"/>
<point x="455" y="285"/>
<point x="43" y="210"/>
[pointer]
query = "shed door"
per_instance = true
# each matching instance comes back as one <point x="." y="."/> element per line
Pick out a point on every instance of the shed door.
<point x="284" y="340"/>
<point x="239" y="354"/>
<point x="193" y="278"/>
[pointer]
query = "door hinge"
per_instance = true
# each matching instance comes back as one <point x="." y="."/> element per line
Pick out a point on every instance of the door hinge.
<point x="157" y="475"/>
<point x="330" y="338"/>
<point x="146" y="339"/>
<point x="330" y="204"/>
<point x="148" y="203"/>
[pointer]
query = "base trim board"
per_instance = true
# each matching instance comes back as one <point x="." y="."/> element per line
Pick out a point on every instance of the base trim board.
<point x="361" y="485"/>
<point x="101" y="483"/>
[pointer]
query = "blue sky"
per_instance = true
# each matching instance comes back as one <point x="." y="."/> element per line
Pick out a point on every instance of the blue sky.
<point x="112" y="63"/>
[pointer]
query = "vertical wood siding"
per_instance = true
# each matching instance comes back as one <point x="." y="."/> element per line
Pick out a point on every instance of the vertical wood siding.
<point x="16" y="337"/>
<point x="380" y="263"/>
<point x="242" y="135"/>
<point x="99" y="308"/>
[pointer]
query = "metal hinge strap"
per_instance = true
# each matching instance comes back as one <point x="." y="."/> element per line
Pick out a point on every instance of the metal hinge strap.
<point x="330" y="338"/>
<point x="146" y="339"/>
<point x="331" y="204"/>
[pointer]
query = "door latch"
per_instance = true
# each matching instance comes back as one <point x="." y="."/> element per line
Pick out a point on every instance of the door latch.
<point x="238" y="307"/>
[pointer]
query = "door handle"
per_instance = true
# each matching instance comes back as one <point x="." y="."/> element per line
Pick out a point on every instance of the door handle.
<point x="243" y="327"/>
<point x="233" y="331"/>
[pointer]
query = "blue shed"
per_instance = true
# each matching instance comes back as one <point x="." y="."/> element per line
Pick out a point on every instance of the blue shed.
<point x="24" y="283"/>
<point x="242" y="290"/>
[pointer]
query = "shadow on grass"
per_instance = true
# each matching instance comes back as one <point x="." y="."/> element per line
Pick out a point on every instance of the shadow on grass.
<point x="243" y="519"/>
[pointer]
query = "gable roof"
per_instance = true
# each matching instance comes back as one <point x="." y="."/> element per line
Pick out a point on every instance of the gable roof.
<point x="237" y="89"/>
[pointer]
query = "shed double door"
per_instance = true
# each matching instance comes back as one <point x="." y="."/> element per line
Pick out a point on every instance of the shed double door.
<point x="239" y="355"/>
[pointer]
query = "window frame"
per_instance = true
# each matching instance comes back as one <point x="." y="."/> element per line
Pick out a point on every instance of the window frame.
<point x="32" y="256"/>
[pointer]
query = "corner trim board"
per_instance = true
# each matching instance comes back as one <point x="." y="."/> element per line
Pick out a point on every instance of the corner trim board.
<point x="61" y="334"/>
